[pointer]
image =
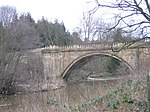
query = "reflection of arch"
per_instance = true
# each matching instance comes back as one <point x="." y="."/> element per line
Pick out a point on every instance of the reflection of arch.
<point x="80" y="61"/>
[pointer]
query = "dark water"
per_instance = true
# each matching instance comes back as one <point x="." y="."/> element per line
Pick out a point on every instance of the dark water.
<point x="57" y="100"/>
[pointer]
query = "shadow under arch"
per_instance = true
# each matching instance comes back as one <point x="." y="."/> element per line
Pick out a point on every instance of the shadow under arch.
<point x="82" y="60"/>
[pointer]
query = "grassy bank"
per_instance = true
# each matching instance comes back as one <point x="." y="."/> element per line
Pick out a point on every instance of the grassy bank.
<point x="130" y="96"/>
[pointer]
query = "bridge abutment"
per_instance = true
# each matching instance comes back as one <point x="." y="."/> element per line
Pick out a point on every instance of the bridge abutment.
<point x="52" y="69"/>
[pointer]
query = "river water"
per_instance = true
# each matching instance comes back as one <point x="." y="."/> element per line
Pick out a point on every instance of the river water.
<point x="57" y="100"/>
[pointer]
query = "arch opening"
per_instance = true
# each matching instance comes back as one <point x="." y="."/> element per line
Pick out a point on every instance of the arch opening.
<point x="92" y="64"/>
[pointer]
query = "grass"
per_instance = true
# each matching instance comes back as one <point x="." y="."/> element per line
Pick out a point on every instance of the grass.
<point x="128" y="97"/>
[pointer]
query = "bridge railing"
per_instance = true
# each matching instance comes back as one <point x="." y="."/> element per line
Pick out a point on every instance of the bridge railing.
<point x="88" y="46"/>
<point x="81" y="46"/>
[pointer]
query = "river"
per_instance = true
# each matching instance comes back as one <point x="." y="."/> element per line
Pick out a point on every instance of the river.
<point x="57" y="100"/>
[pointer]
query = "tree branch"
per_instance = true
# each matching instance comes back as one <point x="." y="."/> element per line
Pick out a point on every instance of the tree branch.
<point x="148" y="5"/>
<point x="128" y="44"/>
<point x="141" y="10"/>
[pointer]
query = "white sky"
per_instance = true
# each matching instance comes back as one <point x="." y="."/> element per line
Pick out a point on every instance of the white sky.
<point x="68" y="11"/>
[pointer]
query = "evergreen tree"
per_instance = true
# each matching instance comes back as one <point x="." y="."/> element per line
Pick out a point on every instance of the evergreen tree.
<point x="53" y="33"/>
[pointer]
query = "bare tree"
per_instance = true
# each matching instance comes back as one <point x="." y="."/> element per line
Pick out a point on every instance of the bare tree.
<point x="88" y="26"/>
<point x="7" y="15"/>
<point x="23" y="34"/>
<point x="134" y="15"/>
<point x="17" y="35"/>
<point x="94" y="29"/>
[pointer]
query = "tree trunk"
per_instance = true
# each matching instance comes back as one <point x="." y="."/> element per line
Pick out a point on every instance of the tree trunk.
<point x="148" y="91"/>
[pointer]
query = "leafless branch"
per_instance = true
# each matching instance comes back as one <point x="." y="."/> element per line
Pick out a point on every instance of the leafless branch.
<point x="128" y="44"/>
<point x="148" y="5"/>
<point x="147" y="16"/>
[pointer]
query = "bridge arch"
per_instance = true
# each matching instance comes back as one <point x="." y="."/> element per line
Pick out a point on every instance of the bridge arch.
<point x="80" y="61"/>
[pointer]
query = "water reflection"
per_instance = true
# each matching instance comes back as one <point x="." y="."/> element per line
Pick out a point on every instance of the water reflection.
<point x="44" y="101"/>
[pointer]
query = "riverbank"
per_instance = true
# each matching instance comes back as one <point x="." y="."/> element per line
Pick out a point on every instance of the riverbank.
<point x="90" y="96"/>
<point x="128" y="97"/>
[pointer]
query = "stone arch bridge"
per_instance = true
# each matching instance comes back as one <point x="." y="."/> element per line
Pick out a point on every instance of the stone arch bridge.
<point x="59" y="61"/>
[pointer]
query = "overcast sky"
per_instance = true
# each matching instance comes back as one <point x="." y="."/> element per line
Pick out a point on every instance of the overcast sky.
<point x="68" y="11"/>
